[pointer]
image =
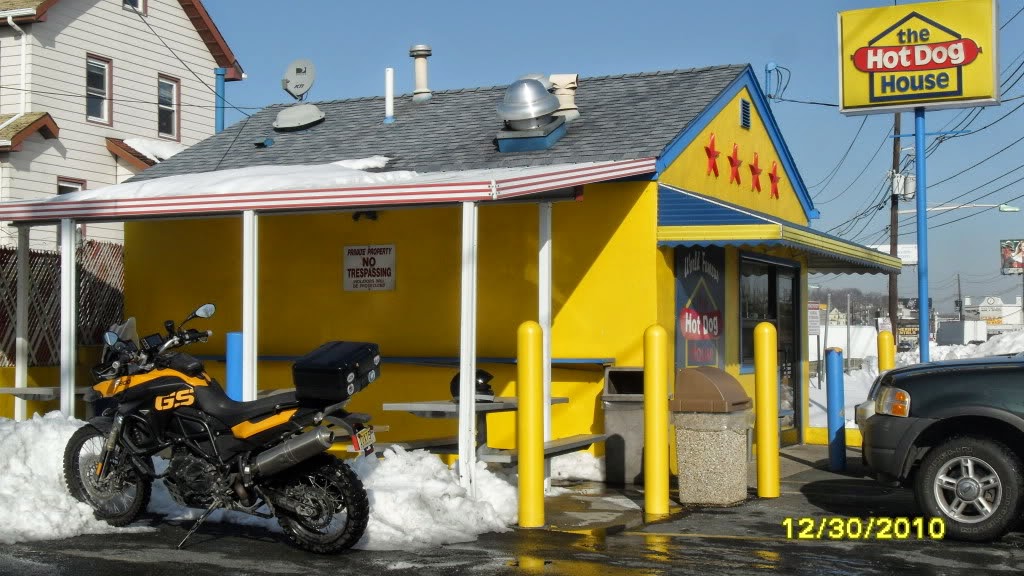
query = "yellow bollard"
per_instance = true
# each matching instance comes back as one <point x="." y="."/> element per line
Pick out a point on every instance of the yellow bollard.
<point x="766" y="404"/>
<point x="886" y="351"/>
<point x="655" y="421"/>
<point x="530" y="425"/>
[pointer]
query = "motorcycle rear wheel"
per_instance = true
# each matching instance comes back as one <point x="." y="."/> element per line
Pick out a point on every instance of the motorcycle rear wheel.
<point x="338" y="509"/>
<point x="118" y="499"/>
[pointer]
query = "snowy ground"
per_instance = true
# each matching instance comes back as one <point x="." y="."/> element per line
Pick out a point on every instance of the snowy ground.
<point x="856" y="384"/>
<point x="415" y="499"/>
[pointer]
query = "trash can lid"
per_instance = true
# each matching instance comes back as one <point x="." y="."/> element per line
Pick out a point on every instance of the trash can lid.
<point x="708" y="389"/>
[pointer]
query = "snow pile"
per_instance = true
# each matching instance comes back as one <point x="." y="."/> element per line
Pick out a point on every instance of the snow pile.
<point x="252" y="179"/>
<point x="857" y="384"/>
<point x="415" y="499"/>
<point x="34" y="502"/>
<point x="155" y="150"/>
<point x="577" y="466"/>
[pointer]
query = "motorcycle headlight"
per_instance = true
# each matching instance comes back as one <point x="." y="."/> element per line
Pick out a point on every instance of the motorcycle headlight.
<point x="893" y="401"/>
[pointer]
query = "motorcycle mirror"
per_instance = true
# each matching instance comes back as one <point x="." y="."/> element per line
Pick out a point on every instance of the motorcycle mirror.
<point x="169" y="326"/>
<point x="205" y="311"/>
<point x="110" y="338"/>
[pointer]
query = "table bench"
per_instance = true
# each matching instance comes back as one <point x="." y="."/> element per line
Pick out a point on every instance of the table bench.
<point x="450" y="444"/>
<point x="41" y="393"/>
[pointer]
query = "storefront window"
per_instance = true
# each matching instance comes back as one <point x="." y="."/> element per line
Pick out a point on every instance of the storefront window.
<point x="756" y="296"/>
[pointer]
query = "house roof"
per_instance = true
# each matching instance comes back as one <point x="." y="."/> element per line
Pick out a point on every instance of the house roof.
<point x="194" y="9"/>
<point x="623" y="117"/>
<point x="133" y="157"/>
<point x="14" y="133"/>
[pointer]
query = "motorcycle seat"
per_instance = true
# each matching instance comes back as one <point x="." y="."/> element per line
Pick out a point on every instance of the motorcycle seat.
<point x="216" y="403"/>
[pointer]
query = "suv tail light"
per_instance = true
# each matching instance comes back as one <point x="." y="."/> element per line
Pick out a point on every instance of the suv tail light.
<point x="893" y="401"/>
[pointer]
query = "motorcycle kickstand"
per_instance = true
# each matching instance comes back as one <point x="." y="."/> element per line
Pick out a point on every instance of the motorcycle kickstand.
<point x="216" y="504"/>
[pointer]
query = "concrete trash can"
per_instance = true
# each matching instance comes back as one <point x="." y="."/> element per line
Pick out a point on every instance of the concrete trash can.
<point x="712" y="416"/>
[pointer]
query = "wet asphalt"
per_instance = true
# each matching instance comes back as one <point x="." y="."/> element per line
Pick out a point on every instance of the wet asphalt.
<point x="745" y="539"/>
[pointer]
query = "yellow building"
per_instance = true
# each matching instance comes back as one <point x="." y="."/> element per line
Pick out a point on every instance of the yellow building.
<point x="673" y="199"/>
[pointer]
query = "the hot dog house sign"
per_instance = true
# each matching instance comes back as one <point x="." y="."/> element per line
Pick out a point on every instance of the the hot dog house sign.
<point x="935" y="54"/>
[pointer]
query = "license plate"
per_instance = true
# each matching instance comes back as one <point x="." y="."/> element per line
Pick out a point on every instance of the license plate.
<point x="363" y="440"/>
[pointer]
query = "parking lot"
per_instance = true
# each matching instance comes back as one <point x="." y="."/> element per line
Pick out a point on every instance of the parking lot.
<point x="591" y="531"/>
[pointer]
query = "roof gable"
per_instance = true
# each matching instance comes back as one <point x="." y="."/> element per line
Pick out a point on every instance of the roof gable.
<point x="24" y="126"/>
<point x="623" y="117"/>
<point x="194" y="10"/>
<point x="746" y="81"/>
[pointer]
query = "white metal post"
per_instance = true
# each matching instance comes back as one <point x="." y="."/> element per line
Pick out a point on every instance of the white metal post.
<point x="467" y="351"/>
<point x="544" y="319"/>
<point x="21" y="321"/>
<point x="250" y="301"/>
<point x="68" y="316"/>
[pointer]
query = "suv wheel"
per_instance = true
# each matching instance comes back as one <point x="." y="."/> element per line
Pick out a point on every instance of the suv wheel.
<point x="974" y="485"/>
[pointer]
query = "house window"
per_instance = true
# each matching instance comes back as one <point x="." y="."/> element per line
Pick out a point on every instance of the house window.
<point x="168" y="107"/>
<point x="97" y="89"/>
<point x="69" y="185"/>
<point x="136" y="5"/>
<point x="745" y="114"/>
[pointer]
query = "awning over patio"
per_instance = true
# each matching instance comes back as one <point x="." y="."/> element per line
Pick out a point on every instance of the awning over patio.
<point x="689" y="219"/>
<point x="311" y="188"/>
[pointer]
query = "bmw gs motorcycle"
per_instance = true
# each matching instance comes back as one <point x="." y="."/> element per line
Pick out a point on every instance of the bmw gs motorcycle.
<point x="265" y="457"/>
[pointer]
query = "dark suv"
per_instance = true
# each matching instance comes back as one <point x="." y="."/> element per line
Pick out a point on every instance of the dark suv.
<point x="954" y="431"/>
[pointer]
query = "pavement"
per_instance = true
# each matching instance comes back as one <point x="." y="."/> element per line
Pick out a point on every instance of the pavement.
<point x="592" y="529"/>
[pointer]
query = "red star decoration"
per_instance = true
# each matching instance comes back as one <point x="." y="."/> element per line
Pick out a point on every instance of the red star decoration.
<point x="734" y="164"/>
<point x="712" y="156"/>
<point x="755" y="175"/>
<point x="775" y="178"/>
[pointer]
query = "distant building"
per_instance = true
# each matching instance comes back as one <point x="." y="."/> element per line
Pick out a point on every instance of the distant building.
<point x="998" y="316"/>
<point x="835" y="317"/>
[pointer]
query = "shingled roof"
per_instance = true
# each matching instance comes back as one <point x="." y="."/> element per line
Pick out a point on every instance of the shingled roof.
<point x="623" y="117"/>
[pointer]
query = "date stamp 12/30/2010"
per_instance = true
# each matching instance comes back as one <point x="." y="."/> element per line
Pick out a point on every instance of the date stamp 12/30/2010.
<point x="871" y="528"/>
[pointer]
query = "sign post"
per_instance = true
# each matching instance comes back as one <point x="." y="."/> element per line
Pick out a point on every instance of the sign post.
<point x="912" y="57"/>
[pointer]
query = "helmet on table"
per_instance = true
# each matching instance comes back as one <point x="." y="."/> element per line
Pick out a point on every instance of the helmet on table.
<point x="483" y="386"/>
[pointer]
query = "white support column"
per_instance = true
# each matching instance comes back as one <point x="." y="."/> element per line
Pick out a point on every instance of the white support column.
<point x="544" y="306"/>
<point x="250" y="302"/>
<point x="21" y="346"/>
<point x="467" y="351"/>
<point x="68" y="316"/>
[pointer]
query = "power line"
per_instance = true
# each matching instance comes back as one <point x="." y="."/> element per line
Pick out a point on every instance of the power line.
<point x="128" y="100"/>
<point x="1015" y="14"/>
<point x="832" y="173"/>
<point x="183" y="63"/>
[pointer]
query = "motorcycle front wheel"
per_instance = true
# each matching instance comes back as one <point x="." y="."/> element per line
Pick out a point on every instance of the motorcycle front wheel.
<point x="330" y="505"/>
<point x="121" y="496"/>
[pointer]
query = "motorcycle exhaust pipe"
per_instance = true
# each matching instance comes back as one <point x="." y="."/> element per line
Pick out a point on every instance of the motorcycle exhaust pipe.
<point x="292" y="451"/>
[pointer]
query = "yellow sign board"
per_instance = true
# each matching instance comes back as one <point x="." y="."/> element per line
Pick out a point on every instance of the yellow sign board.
<point x="932" y="55"/>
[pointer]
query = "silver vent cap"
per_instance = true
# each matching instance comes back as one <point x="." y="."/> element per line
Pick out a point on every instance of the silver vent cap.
<point x="527" y="105"/>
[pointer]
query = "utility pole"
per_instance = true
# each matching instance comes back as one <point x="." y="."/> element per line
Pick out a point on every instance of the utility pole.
<point x="894" y="221"/>
<point x="959" y="300"/>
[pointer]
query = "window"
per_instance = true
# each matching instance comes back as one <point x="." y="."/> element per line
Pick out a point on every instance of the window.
<point x="69" y="185"/>
<point x="136" y="5"/>
<point x="168" y="107"/>
<point x="97" y="89"/>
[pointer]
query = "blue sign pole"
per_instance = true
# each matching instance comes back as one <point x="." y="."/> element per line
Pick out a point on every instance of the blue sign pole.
<point x="835" y="409"/>
<point x="923" y="309"/>
<point x="234" y="366"/>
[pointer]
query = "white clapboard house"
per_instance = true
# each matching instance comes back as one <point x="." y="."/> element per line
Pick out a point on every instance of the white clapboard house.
<point x="94" y="91"/>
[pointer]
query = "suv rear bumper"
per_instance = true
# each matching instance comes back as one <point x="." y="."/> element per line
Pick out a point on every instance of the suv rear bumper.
<point x="887" y="442"/>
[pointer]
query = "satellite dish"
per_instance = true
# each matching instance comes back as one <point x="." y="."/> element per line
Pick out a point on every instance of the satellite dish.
<point x="298" y="78"/>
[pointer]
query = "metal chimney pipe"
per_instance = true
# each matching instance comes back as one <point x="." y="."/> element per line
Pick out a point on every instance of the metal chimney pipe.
<point x="420" y="53"/>
<point x="389" y="95"/>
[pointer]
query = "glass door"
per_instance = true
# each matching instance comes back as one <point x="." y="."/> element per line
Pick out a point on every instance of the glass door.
<point x="789" y="354"/>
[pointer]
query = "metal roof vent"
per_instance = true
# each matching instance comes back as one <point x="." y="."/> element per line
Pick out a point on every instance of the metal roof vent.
<point x="527" y="111"/>
<point x="298" y="79"/>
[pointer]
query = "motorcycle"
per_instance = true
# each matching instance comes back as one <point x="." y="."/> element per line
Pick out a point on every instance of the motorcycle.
<point x="267" y="457"/>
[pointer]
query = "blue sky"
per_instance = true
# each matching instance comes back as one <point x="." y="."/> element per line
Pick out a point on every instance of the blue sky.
<point x="479" y="43"/>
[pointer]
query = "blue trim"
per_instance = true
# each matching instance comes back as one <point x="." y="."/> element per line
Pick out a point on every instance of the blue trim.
<point x="389" y="119"/>
<point x="746" y="368"/>
<point x="531" y="144"/>
<point x="747" y="80"/>
<point x="426" y="360"/>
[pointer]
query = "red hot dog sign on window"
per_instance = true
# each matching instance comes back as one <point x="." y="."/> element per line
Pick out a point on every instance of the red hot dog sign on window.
<point x="933" y="54"/>
<point x="700" y="292"/>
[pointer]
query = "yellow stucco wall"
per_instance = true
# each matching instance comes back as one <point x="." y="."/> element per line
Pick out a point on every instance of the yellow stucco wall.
<point x="689" y="170"/>
<point x="605" y="266"/>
